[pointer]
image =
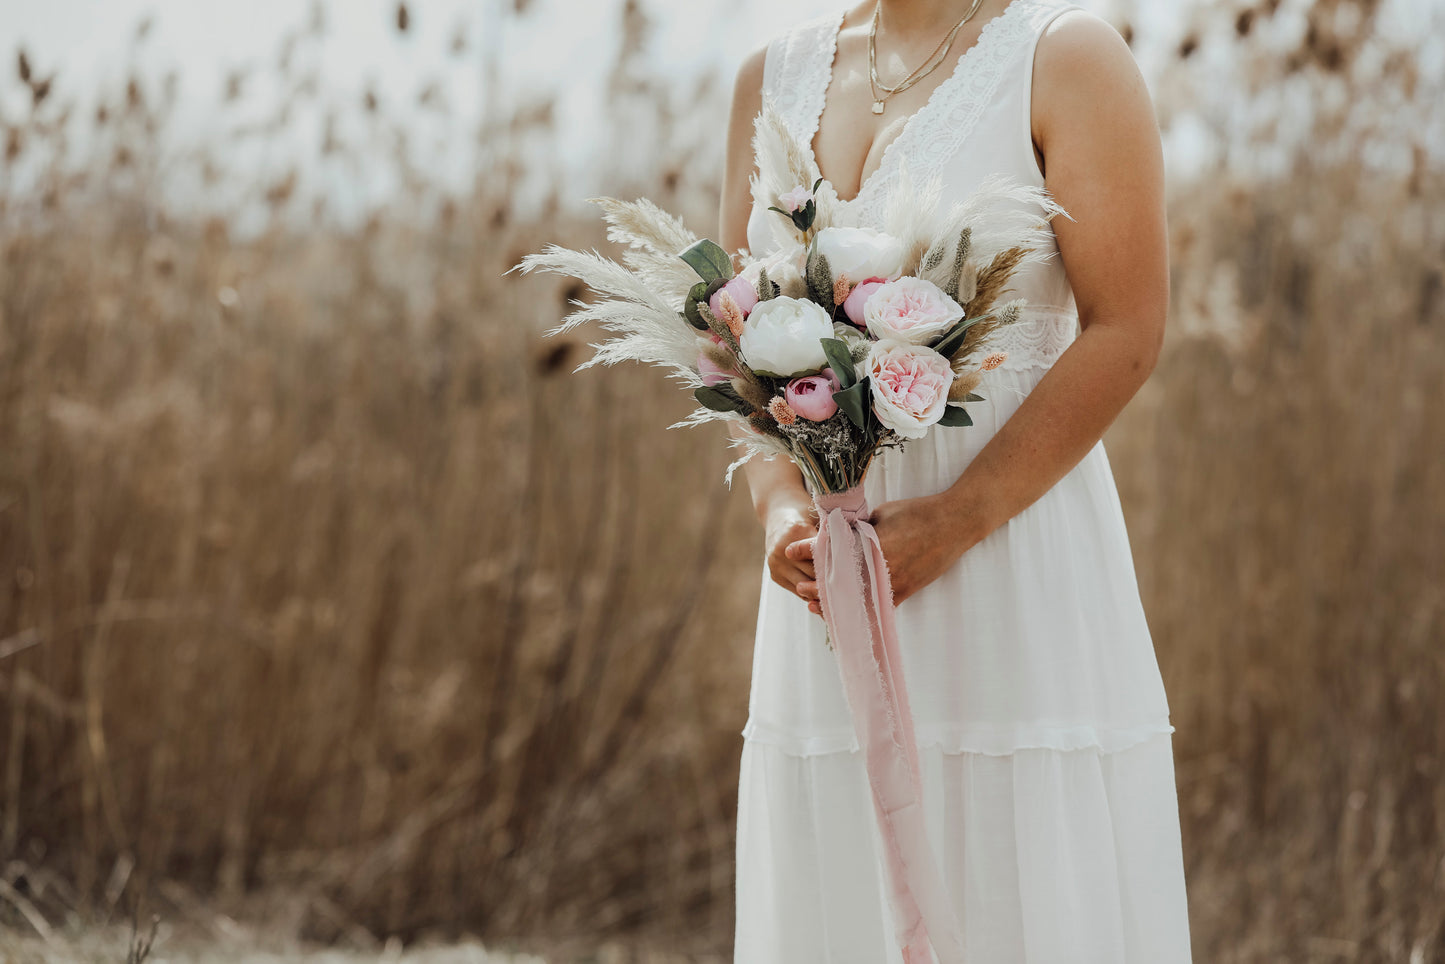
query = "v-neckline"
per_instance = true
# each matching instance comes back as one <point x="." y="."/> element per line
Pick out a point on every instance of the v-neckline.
<point x="954" y="77"/>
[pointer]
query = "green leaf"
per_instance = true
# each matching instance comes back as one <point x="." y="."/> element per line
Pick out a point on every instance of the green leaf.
<point x="718" y="401"/>
<point x="854" y="401"/>
<point x="950" y="342"/>
<point x="955" y="415"/>
<point x="803" y="217"/>
<point x="696" y="293"/>
<point x="709" y="260"/>
<point x="840" y="360"/>
<point x="973" y="397"/>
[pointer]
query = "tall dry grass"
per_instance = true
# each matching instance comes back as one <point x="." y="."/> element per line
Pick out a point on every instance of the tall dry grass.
<point x="330" y="592"/>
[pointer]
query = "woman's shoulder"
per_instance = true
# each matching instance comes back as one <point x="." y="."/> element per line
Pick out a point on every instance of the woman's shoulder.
<point x="1078" y="43"/>
<point x="1082" y="62"/>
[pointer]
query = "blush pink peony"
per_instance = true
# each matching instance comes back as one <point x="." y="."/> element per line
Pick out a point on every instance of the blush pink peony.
<point x="909" y="386"/>
<point x="743" y="293"/>
<point x="812" y="395"/>
<point x="853" y="304"/>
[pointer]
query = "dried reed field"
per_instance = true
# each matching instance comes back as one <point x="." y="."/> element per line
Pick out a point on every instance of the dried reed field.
<point x="331" y="599"/>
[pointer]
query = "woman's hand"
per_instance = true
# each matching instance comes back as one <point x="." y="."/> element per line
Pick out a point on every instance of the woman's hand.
<point x="921" y="538"/>
<point x="786" y="523"/>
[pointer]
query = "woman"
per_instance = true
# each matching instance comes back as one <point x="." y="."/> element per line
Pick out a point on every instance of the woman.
<point x="1041" y="715"/>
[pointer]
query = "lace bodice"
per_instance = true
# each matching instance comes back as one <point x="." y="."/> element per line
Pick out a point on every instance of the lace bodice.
<point x="985" y="98"/>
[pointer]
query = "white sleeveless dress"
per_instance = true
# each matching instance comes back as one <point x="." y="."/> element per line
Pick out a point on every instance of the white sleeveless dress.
<point x="1041" y="715"/>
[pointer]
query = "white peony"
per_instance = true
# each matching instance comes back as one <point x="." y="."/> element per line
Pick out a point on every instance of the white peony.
<point x="909" y="386"/>
<point x="911" y="310"/>
<point x="782" y="337"/>
<point x="861" y="253"/>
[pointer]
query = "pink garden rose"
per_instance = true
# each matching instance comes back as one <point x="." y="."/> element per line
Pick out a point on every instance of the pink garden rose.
<point x="744" y="295"/>
<point x="853" y="305"/>
<point x="909" y="385"/>
<point x="812" y="395"/>
<point x="912" y="310"/>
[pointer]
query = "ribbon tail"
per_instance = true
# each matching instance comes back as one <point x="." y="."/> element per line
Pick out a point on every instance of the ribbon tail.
<point x="929" y="890"/>
<point x="858" y="608"/>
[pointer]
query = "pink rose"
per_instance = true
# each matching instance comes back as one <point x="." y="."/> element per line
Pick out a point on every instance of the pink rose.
<point x="812" y="395"/>
<point x="853" y="306"/>
<point x="912" y="310"/>
<point x="744" y="295"/>
<point x="796" y="199"/>
<point x="909" y="386"/>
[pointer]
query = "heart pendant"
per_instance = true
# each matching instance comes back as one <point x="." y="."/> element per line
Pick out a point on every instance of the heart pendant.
<point x="878" y="107"/>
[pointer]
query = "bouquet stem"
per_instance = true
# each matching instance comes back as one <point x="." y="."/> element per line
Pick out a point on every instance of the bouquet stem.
<point x="857" y="603"/>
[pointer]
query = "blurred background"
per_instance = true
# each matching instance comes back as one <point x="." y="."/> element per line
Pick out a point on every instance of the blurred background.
<point x="334" y="608"/>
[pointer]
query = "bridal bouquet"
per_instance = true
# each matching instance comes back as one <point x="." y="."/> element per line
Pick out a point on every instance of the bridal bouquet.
<point x="840" y="341"/>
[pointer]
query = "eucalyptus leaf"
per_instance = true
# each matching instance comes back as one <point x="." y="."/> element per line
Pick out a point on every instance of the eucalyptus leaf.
<point x="840" y="359"/>
<point x="708" y="259"/>
<point x="854" y="402"/>
<point x="696" y="293"/>
<point x="720" y="401"/>
<point x="950" y="342"/>
<point x="955" y="415"/>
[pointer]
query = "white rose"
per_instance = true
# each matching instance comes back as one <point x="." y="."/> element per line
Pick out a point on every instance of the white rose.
<point x="783" y="336"/>
<point x="909" y="386"/>
<point x="861" y="253"/>
<point x="785" y="267"/>
<point x="911" y="310"/>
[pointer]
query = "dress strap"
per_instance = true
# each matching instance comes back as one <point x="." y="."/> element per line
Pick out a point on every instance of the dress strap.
<point x="795" y="71"/>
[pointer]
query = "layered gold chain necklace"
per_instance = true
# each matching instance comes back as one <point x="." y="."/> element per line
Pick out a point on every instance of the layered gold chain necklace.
<point x="934" y="59"/>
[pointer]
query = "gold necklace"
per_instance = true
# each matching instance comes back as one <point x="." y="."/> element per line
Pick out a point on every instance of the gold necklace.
<point x="934" y="59"/>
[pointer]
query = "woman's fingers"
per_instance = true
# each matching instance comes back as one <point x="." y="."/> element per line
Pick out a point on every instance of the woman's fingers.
<point x="801" y="552"/>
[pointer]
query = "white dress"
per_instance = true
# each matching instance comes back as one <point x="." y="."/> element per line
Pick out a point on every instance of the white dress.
<point x="1041" y="716"/>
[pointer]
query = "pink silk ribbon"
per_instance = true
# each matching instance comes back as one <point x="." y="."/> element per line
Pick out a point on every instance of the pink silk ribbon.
<point x="857" y="602"/>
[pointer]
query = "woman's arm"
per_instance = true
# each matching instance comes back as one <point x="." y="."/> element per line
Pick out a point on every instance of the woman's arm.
<point x="780" y="498"/>
<point x="1094" y="123"/>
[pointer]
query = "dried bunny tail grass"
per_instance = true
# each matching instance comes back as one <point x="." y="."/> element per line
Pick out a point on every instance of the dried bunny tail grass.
<point x="644" y="225"/>
<point x="963" y="383"/>
<point x="1011" y="311"/>
<point x="648" y="328"/>
<point x="716" y="354"/>
<point x="750" y="390"/>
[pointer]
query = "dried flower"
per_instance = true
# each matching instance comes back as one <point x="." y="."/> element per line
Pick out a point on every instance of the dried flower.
<point x="782" y="411"/>
<point x="730" y="313"/>
<point x="993" y="360"/>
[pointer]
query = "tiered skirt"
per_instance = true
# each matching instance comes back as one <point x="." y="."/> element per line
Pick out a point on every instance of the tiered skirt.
<point x="1044" y="735"/>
